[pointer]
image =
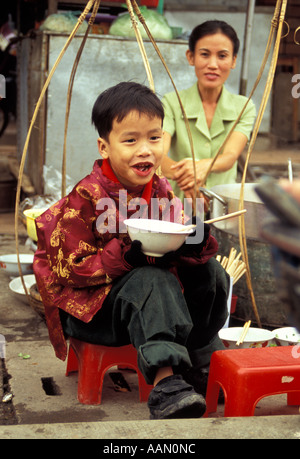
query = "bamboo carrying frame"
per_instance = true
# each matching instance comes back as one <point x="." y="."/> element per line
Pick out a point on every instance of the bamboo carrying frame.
<point x="276" y="25"/>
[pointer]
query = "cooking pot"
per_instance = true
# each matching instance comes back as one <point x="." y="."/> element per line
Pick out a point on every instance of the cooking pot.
<point x="224" y="199"/>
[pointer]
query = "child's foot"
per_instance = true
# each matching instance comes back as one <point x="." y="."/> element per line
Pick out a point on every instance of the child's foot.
<point x="198" y="378"/>
<point x="173" y="398"/>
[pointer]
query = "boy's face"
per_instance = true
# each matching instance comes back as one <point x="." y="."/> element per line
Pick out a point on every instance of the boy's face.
<point x="134" y="148"/>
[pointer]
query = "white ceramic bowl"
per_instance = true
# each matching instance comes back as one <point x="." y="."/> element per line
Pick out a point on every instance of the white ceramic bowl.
<point x="17" y="288"/>
<point x="9" y="263"/>
<point x="256" y="337"/>
<point x="286" y="336"/>
<point x="157" y="236"/>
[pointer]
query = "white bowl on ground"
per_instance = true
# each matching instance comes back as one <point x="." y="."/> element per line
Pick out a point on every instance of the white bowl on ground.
<point x="286" y="336"/>
<point x="255" y="337"/>
<point x="157" y="236"/>
<point x="17" y="288"/>
<point x="9" y="263"/>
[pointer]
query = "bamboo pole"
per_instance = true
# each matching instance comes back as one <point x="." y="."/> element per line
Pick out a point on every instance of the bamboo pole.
<point x="69" y="94"/>
<point x="139" y="40"/>
<point x="143" y="22"/>
<point x="277" y="22"/>
<point x="23" y="158"/>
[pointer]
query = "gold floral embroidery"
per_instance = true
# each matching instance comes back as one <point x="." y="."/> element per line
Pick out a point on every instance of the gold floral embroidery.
<point x="56" y="210"/>
<point x="56" y="237"/>
<point x="70" y="259"/>
<point x="59" y="269"/>
<point x="71" y="213"/>
<point x="38" y="224"/>
<point x="84" y="246"/>
<point x="92" y="194"/>
<point x="75" y="308"/>
<point x="98" y="273"/>
<point x="108" y="279"/>
<point x="59" y="233"/>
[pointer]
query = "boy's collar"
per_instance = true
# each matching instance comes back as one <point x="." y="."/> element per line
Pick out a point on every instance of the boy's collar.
<point x="109" y="173"/>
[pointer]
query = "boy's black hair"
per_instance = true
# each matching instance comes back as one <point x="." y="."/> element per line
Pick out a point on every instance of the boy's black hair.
<point x="211" y="28"/>
<point x="116" y="102"/>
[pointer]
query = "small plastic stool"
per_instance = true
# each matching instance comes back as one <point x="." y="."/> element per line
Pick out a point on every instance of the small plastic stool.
<point x="92" y="361"/>
<point x="248" y="375"/>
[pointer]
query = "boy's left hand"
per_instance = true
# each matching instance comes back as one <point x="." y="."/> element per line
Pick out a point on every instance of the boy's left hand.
<point x="192" y="249"/>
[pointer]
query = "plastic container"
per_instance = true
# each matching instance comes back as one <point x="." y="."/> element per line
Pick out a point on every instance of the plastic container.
<point x="31" y="215"/>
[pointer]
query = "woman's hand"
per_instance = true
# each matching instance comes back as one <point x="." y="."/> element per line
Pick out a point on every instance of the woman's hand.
<point x="183" y="173"/>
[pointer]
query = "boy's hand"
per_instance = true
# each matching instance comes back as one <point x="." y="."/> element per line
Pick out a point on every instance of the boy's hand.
<point x="192" y="249"/>
<point x="136" y="258"/>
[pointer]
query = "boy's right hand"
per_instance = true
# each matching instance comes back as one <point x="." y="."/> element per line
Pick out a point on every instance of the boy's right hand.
<point x="136" y="258"/>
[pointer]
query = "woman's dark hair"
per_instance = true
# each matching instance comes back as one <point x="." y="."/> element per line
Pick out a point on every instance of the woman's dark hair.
<point x="211" y="28"/>
<point x="116" y="102"/>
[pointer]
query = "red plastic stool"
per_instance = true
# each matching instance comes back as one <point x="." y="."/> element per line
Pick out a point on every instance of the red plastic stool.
<point x="248" y="375"/>
<point x="92" y="361"/>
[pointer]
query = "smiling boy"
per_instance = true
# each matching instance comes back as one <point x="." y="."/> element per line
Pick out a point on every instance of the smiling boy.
<point x="99" y="287"/>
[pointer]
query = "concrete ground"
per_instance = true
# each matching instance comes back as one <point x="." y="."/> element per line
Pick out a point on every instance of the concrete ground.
<point x="33" y="413"/>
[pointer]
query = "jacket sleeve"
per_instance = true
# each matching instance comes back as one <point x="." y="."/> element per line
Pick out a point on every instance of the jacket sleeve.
<point x="66" y="233"/>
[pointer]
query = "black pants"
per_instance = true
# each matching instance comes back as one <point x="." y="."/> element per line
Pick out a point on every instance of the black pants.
<point x="147" y="308"/>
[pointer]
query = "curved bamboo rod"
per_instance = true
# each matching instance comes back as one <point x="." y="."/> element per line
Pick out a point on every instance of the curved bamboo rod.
<point x="23" y="158"/>
<point x="242" y="236"/>
<point x="295" y="35"/>
<point x="143" y="22"/>
<point x="257" y="81"/>
<point x="277" y="22"/>
<point x="141" y="45"/>
<point x="69" y="95"/>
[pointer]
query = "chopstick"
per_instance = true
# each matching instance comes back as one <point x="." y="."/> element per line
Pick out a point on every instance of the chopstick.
<point x="214" y="220"/>
<point x="244" y="333"/>
<point x="224" y="217"/>
<point x="235" y="267"/>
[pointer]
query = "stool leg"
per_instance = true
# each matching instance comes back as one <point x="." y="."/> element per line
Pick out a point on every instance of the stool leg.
<point x="90" y="378"/>
<point x="239" y="404"/>
<point x="212" y="395"/>
<point x="72" y="364"/>
<point x="293" y="398"/>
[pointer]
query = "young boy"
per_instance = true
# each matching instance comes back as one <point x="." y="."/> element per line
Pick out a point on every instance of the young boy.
<point x="98" y="286"/>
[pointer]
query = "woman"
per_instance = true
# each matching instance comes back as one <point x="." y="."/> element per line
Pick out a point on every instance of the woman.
<point x="211" y="111"/>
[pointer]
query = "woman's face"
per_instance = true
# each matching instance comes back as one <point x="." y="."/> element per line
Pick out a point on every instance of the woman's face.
<point x="213" y="60"/>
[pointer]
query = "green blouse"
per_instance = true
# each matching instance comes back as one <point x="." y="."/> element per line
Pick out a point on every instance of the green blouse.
<point x="206" y="141"/>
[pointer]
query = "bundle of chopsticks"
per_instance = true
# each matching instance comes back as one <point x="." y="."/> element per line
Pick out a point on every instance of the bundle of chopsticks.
<point x="235" y="267"/>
